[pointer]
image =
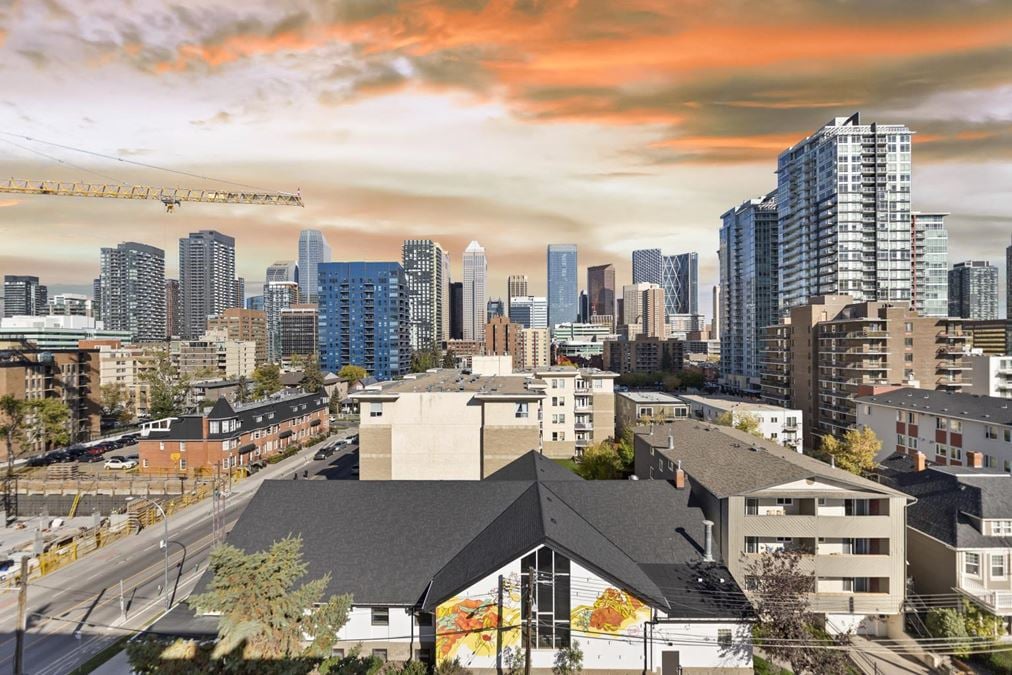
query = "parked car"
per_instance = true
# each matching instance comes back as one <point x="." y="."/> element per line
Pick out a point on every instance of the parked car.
<point x="58" y="456"/>
<point x="120" y="463"/>
<point x="324" y="452"/>
<point x="39" y="460"/>
<point x="95" y="451"/>
<point x="91" y="458"/>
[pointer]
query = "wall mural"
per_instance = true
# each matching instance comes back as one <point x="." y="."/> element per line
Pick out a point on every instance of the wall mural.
<point x="614" y="611"/>
<point x="466" y="624"/>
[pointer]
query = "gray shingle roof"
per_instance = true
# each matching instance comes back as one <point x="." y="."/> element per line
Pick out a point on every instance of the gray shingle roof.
<point x="397" y="543"/>
<point x="988" y="409"/>
<point x="533" y="466"/>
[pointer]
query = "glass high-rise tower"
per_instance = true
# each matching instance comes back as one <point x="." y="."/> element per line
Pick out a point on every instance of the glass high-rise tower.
<point x="563" y="286"/>
<point x="475" y="292"/>
<point x="313" y="250"/>
<point x="132" y="278"/>
<point x="206" y="279"/>
<point x="426" y="270"/>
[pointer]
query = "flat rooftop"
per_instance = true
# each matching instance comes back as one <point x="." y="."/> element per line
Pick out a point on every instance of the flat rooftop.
<point x="730" y="403"/>
<point x="989" y="409"/>
<point x="650" y="397"/>
<point x="450" y="380"/>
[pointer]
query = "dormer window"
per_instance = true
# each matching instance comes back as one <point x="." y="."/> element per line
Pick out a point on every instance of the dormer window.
<point x="1001" y="528"/>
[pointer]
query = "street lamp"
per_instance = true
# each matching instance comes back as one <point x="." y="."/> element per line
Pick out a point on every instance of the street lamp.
<point x="164" y="545"/>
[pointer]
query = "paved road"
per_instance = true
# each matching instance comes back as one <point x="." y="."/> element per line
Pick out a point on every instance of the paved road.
<point x="76" y="611"/>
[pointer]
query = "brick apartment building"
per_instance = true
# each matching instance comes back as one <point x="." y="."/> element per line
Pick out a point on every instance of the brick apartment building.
<point x="231" y="435"/>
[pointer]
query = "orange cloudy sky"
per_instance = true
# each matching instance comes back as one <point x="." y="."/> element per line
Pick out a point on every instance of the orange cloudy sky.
<point x="614" y="124"/>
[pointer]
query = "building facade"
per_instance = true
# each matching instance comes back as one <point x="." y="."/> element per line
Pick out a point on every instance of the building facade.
<point x="973" y="290"/>
<point x="843" y="202"/>
<point x="516" y="287"/>
<point x="282" y="270"/>
<point x="638" y="408"/>
<point x="474" y="293"/>
<point x="529" y="311"/>
<point x="213" y="357"/>
<point x="929" y="258"/>
<point x="644" y="355"/>
<point x="456" y="311"/>
<point x="173" y="308"/>
<point x="133" y="290"/>
<point x="680" y="280"/>
<point x="364" y="318"/>
<point x="780" y="425"/>
<point x="502" y="338"/>
<point x="24" y="296"/>
<point x="646" y="266"/>
<point x="992" y="337"/>
<point x="534" y="349"/>
<point x="70" y="304"/>
<point x="124" y="367"/>
<point x="601" y="290"/>
<point x="749" y="299"/>
<point x="428" y="291"/>
<point x="278" y="296"/>
<point x="990" y="375"/>
<point x="58" y="332"/>
<point x="299" y="338"/>
<point x="206" y="279"/>
<point x="495" y="307"/>
<point x="313" y="250"/>
<point x="578" y="410"/>
<point x="243" y="325"/>
<point x="563" y="285"/>
<point x="230" y="436"/>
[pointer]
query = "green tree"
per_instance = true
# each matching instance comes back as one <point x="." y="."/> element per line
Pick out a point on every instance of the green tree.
<point x="785" y="625"/>
<point x="671" y="382"/>
<point x="269" y="618"/>
<point x="335" y="402"/>
<point x="451" y="667"/>
<point x="425" y="359"/>
<point x="117" y="402"/>
<point x="312" y="376"/>
<point x="448" y="360"/>
<point x="951" y="625"/>
<point x="352" y="373"/>
<point x="748" y="423"/>
<point x="724" y="419"/>
<point x="167" y="387"/>
<point x="266" y="380"/>
<point x="242" y="389"/>
<point x="855" y="452"/>
<point x="600" y="462"/>
<point x="569" y="660"/>
<point x="626" y="451"/>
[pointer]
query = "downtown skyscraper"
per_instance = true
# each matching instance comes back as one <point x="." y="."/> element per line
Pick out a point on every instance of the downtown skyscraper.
<point x="278" y="296"/>
<point x="475" y="292"/>
<point x="843" y="201"/>
<point x="132" y="278"/>
<point x="677" y="274"/>
<point x="206" y="279"/>
<point x="516" y="287"/>
<point x="313" y="250"/>
<point x="563" y="285"/>
<point x="426" y="270"/>
<point x="929" y="264"/>
<point x="601" y="291"/>
<point x="24" y="296"/>
<point x="749" y="253"/>
<point x="973" y="290"/>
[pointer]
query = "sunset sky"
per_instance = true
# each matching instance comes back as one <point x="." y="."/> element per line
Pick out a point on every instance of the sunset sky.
<point x="613" y="124"/>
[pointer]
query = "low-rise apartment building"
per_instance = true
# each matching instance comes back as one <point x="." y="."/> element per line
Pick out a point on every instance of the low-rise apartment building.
<point x="579" y="409"/>
<point x="990" y="375"/>
<point x="213" y="356"/>
<point x="644" y="355"/>
<point x="124" y="367"/>
<point x="440" y="570"/>
<point x="991" y="336"/>
<point x="232" y="435"/>
<point x="959" y="531"/>
<point x="949" y="429"/>
<point x="633" y="408"/>
<point x="781" y="425"/>
<point x="763" y="497"/>
<point x="833" y="348"/>
<point x="243" y="325"/>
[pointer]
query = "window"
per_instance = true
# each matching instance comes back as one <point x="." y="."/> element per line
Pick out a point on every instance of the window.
<point x="955" y="426"/>
<point x="381" y="616"/>
<point x="338" y="652"/>
<point x="956" y="454"/>
<point x="215" y="427"/>
<point x="912" y="418"/>
<point x="751" y="544"/>
<point x="940" y="423"/>
<point x="375" y="409"/>
<point x="521" y="410"/>
<point x="751" y="507"/>
<point x="908" y="358"/>
<point x="182" y="446"/>
<point x="997" y="564"/>
<point x="941" y="451"/>
<point x="380" y="654"/>
<point x="971" y="564"/>
<point x="724" y="638"/>
<point x="551" y="595"/>
<point x="1001" y="528"/>
<point x="908" y="342"/>
<point x="785" y="501"/>
<point x="182" y="464"/>
<point x="1008" y="435"/>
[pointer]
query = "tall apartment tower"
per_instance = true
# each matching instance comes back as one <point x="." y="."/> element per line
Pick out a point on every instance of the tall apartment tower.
<point x="475" y="291"/>
<point x="456" y="310"/>
<point x="206" y="279"/>
<point x="133" y="290"/>
<point x="283" y="270"/>
<point x="240" y="292"/>
<point x="749" y="254"/>
<point x="243" y="325"/>
<point x="24" y="296"/>
<point x="601" y="290"/>
<point x="529" y="311"/>
<point x="715" y="323"/>
<point x="653" y="307"/>
<point x="96" y="295"/>
<point x="495" y="307"/>
<point x="680" y="279"/>
<point x="516" y="287"/>
<point x="646" y="266"/>
<point x="501" y="338"/>
<point x="313" y="250"/>
<point x="563" y="287"/>
<point x="843" y="198"/>
<point x="973" y="290"/>
<point x="278" y="296"/>
<point x="299" y="326"/>
<point x="1008" y="282"/>
<point x="428" y="289"/>
<point x="929" y="263"/>
<point x="364" y="317"/>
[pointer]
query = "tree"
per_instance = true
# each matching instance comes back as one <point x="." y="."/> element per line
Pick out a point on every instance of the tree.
<point x="600" y="462"/>
<point x="748" y="423"/>
<point x="451" y="667"/>
<point x="242" y="389"/>
<point x="448" y="360"/>
<point x="352" y="373"/>
<point x="425" y="359"/>
<point x="312" y="376"/>
<point x="951" y="625"/>
<point x="167" y="387"/>
<point x="724" y="419"/>
<point x="786" y="629"/>
<point x="569" y="660"/>
<point x="671" y="382"/>
<point x="266" y="380"/>
<point x="855" y="452"/>
<point x="117" y="402"/>
<point x="335" y="402"/>
<point x="269" y="618"/>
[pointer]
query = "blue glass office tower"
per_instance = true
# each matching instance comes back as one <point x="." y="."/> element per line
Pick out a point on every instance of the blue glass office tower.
<point x="364" y="317"/>
<point x="563" y="288"/>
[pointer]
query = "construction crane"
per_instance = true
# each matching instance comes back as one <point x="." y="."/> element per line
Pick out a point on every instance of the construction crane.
<point x="170" y="197"/>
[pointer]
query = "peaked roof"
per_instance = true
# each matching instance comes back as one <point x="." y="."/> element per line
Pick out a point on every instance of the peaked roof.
<point x="533" y="466"/>
<point x="989" y="409"/>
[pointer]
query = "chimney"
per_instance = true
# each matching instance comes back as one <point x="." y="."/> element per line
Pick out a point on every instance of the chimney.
<point x="976" y="459"/>
<point x="679" y="477"/>
<point x="671" y="442"/>
<point x="708" y="541"/>
<point x="919" y="461"/>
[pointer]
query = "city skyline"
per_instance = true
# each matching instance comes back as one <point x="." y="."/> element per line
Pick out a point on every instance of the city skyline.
<point x="537" y="129"/>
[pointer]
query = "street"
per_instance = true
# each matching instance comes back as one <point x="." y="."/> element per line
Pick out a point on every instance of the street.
<point x="77" y="611"/>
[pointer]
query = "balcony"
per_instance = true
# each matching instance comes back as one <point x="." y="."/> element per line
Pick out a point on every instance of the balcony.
<point x="996" y="602"/>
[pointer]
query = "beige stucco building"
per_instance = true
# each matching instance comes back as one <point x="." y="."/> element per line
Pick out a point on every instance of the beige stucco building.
<point x="579" y="409"/>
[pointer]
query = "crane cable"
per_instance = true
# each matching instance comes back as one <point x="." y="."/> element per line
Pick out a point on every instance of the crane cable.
<point x="135" y="163"/>
<point x="61" y="161"/>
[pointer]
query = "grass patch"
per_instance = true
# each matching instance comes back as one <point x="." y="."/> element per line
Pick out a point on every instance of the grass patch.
<point x="568" y="463"/>
<point x="101" y="657"/>
<point x="761" y="666"/>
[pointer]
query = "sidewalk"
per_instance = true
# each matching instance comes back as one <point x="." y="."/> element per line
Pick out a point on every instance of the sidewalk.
<point x="875" y="658"/>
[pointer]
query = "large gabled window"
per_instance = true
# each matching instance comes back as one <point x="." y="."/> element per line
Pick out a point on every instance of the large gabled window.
<point x="551" y="597"/>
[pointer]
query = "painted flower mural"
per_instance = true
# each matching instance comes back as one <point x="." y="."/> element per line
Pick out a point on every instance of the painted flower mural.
<point x="466" y="625"/>
<point x="614" y="611"/>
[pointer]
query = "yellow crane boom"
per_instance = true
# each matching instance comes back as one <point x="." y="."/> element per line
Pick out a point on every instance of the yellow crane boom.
<point x="171" y="197"/>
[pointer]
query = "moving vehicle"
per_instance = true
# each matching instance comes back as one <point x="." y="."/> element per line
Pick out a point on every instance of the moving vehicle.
<point x="324" y="452"/>
<point x="120" y="463"/>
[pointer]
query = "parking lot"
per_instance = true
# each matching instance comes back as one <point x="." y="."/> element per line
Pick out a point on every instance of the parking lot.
<point x="90" y="460"/>
<point x="341" y="465"/>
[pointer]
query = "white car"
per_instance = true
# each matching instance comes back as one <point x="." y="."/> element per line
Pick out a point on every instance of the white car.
<point x="120" y="463"/>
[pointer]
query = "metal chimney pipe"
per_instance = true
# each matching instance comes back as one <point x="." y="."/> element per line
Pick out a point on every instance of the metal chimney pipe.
<point x="708" y="541"/>
<point x="671" y="442"/>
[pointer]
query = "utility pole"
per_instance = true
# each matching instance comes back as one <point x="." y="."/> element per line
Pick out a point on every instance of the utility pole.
<point x="531" y="580"/>
<point x="19" y="646"/>
<point x="122" y="602"/>
<point x="498" y="630"/>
